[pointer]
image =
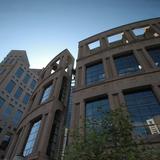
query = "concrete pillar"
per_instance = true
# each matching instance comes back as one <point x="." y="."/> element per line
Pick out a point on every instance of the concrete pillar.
<point x="155" y="28"/>
<point x="129" y="36"/>
<point x="83" y="80"/>
<point x="39" y="136"/>
<point x="82" y="118"/>
<point x="104" y="62"/>
<point x="148" y="58"/>
<point x="103" y="43"/>
<point x="13" y="145"/>
<point x="23" y="139"/>
<point x="113" y="68"/>
<point x="156" y="91"/>
<point x="141" y="60"/>
<point x="47" y="126"/>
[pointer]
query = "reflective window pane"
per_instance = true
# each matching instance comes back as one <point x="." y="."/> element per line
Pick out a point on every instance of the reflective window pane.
<point x="144" y="110"/>
<point x="10" y="86"/>
<point x="155" y="54"/>
<point x="19" y="72"/>
<point x="17" y="117"/>
<point x="18" y="93"/>
<point x="26" y="98"/>
<point x="7" y="112"/>
<point x="46" y="93"/>
<point x="33" y="84"/>
<point x="95" y="111"/>
<point x="26" y="78"/>
<point x="126" y="64"/>
<point x="31" y="138"/>
<point x="94" y="73"/>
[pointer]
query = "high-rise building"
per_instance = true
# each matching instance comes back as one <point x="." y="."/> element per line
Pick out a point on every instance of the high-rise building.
<point x="40" y="134"/>
<point x="17" y="82"/>
<point x="120" y="67"/>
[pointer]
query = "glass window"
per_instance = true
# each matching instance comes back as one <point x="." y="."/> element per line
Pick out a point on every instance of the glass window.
<point x="33" y="84"/>
<point x="155" y="54"/>
<point x="31" y="138"/>
<point x="26" y="98"/>
<point x="18" y="93"/>
<point x="95" y="111"/>
<point x="127" y="64"/>
<point x="143" y="108"/>
<point x="7" y="112"/>
<point x="2" y="101"/>
<point x="5" y="141"/>
<point x="10" y="86"/>
<point x="46" y="93"/>
<point x="17" y="117"/>
<point x="19" y="72"/>
<point x="94" y="73"/>
<point x="26" y="78"/>
<point x="2" y="70"/>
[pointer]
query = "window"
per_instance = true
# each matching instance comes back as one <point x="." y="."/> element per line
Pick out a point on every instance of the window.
<point x="46" y="93"/>
<point x="10" y="86"/>
<point x="33" y="84"/>
<point x="17" y="117"/>
<point x="126" y="64"/>
<point x="95" y="111"/>
<point x="18" y="93"/>
<point x="5" y="141"/>
<point x="94" y="73"/>
<point x="155" y="54"/>
<point x="26" y="78"/>
<point x="2" y="70"/>
<point x="31" y="138"/>
<point x="19" y="72"/>
<point x="7" y="112"/>
<point x="94" y="45"/>
<point x="2" y="101"/>
<point x="26" y="98"/>
<point x="143" y="107"/>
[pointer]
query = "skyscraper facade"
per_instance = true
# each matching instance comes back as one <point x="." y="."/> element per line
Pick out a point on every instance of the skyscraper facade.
<point x="17" y="83"/>
<point x="120" y="67"/>
<point x="41" y="131"/>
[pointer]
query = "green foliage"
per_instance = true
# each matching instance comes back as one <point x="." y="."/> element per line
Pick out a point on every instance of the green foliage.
<point x="111" y="140"/>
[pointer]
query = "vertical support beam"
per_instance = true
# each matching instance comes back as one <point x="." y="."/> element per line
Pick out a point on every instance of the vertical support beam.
<point x="23" y="139"/>
<point x="47" y="126"/>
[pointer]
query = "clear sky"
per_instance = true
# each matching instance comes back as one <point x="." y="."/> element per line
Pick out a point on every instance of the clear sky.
<point x="46" y="27"/>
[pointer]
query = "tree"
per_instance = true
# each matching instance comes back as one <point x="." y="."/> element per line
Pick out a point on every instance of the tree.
<point x="111" y="139"/>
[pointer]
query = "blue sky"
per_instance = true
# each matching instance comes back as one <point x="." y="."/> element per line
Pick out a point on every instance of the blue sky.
<point x="46" y="27"/>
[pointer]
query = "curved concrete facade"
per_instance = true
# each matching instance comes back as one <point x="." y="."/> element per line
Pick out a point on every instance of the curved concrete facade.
<point x="113" y="84"/>
<point x="48" y="107"/>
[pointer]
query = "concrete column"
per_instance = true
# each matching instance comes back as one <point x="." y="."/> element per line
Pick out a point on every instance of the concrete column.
<point x="156" y="91"/>
<point x="106" y="75"/>
<point x="83" y="82"/>
<point x="39" y="136"/>
<point x="113" y="68"/>
<point x="12" y="146"/>
<point x="82" y="118"/>
<point x="103" y="43"/>
<point x="128" y="35"/>
<point x="83" y="51"/>
<point x="148" y="58"/>
<point x="23" y="139"/>
<point x="141" y="60"/>
<point x="155" y="28"/>
<point x="47" y="126"/>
